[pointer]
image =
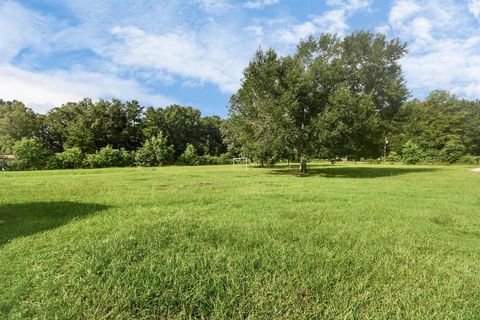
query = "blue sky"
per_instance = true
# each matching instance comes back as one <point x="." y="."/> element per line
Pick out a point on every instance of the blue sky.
<point x="192" y="52"/>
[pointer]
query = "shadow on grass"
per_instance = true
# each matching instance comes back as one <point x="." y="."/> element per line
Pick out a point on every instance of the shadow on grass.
<point x="352" y="172"/>
<point x="24" y="219"/>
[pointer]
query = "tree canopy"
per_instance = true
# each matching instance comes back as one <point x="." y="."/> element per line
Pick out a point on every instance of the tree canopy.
<point x="286" y="106"/>
<point x="333" y="97"/>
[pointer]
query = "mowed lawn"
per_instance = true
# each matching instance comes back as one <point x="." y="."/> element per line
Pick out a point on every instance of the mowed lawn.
<point x="346" y="241"/>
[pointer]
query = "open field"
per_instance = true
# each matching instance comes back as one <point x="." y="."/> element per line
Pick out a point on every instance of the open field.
<point x="364" y="241"/>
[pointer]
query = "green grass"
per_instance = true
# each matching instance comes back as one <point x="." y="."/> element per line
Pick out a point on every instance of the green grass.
<point x="345" y="242"/>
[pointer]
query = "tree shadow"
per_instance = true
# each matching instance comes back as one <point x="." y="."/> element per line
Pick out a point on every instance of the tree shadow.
<point x="24" y="219"/>
<point x="352" y="172"/>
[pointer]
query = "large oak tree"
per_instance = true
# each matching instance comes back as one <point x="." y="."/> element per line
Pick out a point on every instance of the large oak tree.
<point x="284" y="103"/>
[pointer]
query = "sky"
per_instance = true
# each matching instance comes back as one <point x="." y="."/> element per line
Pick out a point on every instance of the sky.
<point x="193" y="52"/>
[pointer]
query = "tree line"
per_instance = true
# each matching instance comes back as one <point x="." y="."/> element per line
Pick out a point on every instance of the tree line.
<point x="333" y="97"/>
<point x="109" y="133"/>
<point x="345" y="97"/>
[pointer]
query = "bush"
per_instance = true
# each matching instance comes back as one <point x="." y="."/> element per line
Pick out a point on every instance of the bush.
<point x="394" y="157"/>
<point x="109" y="157"/>
<point x="208" y="160"/>
<point x="371" y="161"/>
<point x="469" y="159"/>
<point x="432" y="156"/>
<point x="412" y="153"/>
<point x="155" y="152"/>
<point x="189" y="157"/>
<point x="68" y="159"/>
<point x="29" y="155"/>
<point x="453" y="150"/>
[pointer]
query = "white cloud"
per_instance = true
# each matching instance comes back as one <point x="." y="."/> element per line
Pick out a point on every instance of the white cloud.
<point x="415" y="21"/>
<point x="218" y="57"/>
<point x="214" y="5"/>
<point x="350" y="5"/>
<point x="421" y="28"/>
<point x="444" y="47"/>
<point x="258" y="4"/>
<point x="20" y="28"/>
<point x="474" y="7"/>
<point x="451" y="64"/>
<point x="42" y="91"/>
<point x="401" y="11"/>
<point x="331" y="21"/>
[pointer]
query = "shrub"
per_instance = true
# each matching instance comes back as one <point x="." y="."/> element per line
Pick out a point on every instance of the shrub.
<point x="394" y="157"/>
<point x="412" y="153"/>
<point x="155" y="152"/>
<point x="432" y="156"/>
<point x="29" y="154"/>
<point x="68" y="159"/>
<point x="453" y="150"/>
<point x="469" y="159"/>
<point x="208" y="160"/>
<point x="128" y="158"/>
<point x="109" y="157"/>
<point x="189" y="157"/>
<point x="370" y="161"/>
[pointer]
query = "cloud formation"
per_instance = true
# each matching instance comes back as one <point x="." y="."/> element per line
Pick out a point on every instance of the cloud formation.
<point x="41" y="91"/>
<point x="444" y="45"/>
<point x="165" y="51"/>
<point x="258" y="4"/>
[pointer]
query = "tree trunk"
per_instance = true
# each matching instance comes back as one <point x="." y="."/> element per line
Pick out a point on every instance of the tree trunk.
<point x="303" y="164"/>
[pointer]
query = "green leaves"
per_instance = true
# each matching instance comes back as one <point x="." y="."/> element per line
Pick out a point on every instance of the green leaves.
<point x="29" y="154"/>
<point x="332" y="96"/>
<point x="155" y="152"/>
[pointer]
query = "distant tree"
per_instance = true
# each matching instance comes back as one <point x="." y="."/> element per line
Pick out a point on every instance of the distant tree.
<point x="211" y="142"/>
<point x="16" y="122"/>
<point x="29" y="154"/>
<point x="78" y="131"/>
<point x="132" y="135"/>
<point x="180" y="125"/>
<point x="93" y="125"/>
<point x="430" y="123"/>
<point x="153" y="122"/>
<point x="189" y="156"/>
<point x="471" y="126"/>
<point x="154" y="152"/>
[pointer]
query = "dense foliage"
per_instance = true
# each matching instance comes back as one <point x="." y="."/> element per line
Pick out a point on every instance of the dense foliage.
<point x="29" y="154"/>
<point x="332" y="98"/>
<point x="68" y="159"/>
<point x="106" y="133"/>
<point x="155" y="152"/>
<point x="444" y="127"/>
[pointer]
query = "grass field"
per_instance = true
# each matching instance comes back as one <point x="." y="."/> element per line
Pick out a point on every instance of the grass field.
<point x="345" y="242"/>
